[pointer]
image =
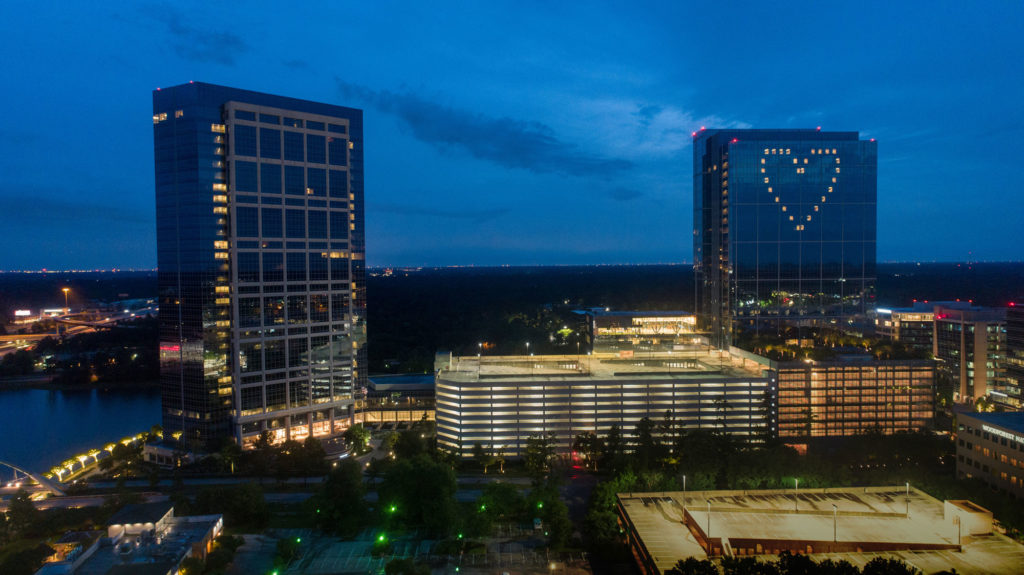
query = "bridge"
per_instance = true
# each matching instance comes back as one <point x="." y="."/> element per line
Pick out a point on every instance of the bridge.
<point x="43" y="482"/>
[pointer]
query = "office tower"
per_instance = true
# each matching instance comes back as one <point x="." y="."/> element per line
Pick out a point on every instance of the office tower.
<point x="784" y="228"/>
<point x="969" y="344"/>
<point x="261" y="263"/>
<point x="1015" y="354"/>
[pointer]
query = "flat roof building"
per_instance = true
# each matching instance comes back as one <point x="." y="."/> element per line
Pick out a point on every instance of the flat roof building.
<point x="642" y="332"/>
<point x="990" y="447"/>
<point x="260" y="249"/>
<point x="851" y="523"/>
<point x="500" y="401"/>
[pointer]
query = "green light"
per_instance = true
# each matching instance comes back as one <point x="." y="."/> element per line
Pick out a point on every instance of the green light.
<point x="318" y="511"/>
<point x="460" y="535"/>
<point x="380" y="538"/>
<point x="483" y="508"/>
<point x="540" y="505"/>
<point x="298" y="539"/>
<point x="392" y="509"/>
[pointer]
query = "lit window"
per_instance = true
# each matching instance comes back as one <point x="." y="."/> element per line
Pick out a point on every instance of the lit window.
<point x="762" y="161"/>
<point x="179" y="113"/>
<point x="800" y="170"/>
<point x="837" y="160"/>
<point x="157" y="118"/>
<point x="823" y="199"/>
<point x="790" y="218"/>
<point x="805" y="160"/>
<point x="351" y="145"/>
<point x="815" y="209"/>
<point x="787" y="151"/>
<point x="833" y="150"/>
<point x="220" y="255"/>
<point x="762" y="170"/>
<point x="219" y="187"/>
<point x="769" y="189"/>
<point x="794" y="160"/>
<point x="776" y="199"/>
<point x="220" y="210"/>
<point x="784" y="209"/>
<point x="837" y="169"/>
<point x="220" y="199"/>
<point x="218" y="128"/>
<point x="766" y="179"/>
<point x="222" y="289"/>
<point x="809" y="215"/>
<point x="220" y="245"/>
<point x="833" y="180"/>
<point x="812" y="152"/>
<point x="830" y="189"/>
<point x="765" y="153"/>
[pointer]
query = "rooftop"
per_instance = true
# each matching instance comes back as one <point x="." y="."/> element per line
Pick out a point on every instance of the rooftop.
<point x="141" y="513"/>
<point x="867" y="522"/>
<point x="1010" y="420"/>
<point x="604" y="366"/>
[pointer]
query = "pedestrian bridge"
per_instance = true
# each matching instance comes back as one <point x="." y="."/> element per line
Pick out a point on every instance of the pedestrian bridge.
<point x="43" y="482"/>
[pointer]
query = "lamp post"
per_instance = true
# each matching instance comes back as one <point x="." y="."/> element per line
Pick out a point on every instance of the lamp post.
<point x="796" y="494"/>
<point x="835" y="515"/>
<point x="66" y="309"/>
<point x="908" y="499"/>
<point x="709" y="526"/>
<point x="684" y="496"/>
<point x="479" y="349"/>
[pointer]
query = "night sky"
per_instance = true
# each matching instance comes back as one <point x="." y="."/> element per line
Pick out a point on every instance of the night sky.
<point x="521" y="133"/>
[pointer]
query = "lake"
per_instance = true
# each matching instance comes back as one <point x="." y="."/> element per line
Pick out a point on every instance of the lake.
<point x="40" y="428"/>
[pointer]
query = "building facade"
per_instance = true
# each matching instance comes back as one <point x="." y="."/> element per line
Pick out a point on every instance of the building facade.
<point x="499" y="402"/>
<point x="990" y="447"/>
<point x="911" y="326"/>
<point x="784" y="228"/>
<point x="1014" y="355"/>
<point x="969" y="344"/>
<point x="642" y="332"/>
<point x="820" y="399"/>
<point x="261" y="255"/>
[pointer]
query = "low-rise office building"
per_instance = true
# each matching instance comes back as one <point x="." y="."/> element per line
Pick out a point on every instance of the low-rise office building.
<point x="851" y="394"/>
<point x="1014" y="355"/>
<point x="638" y="333"/>
<point x="499" y="402"/>
<point x="990" y="447"/>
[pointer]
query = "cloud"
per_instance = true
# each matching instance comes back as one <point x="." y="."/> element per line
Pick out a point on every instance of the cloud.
<point x="508" y="142"/>
<point x="218" y="47"/>
<point x="405" y="210"/>
<point x="624" y="194"/>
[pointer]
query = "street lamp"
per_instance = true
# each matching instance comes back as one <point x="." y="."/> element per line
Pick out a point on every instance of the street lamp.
<point x="66" y="309"/>
<point x="709" y="526"/>
<point x="835" y="514"/>
<point x="796" y="493"/>
<point x="684" y="496"/>
<point x="479" y="349"/>
<point x="908" y="499"/>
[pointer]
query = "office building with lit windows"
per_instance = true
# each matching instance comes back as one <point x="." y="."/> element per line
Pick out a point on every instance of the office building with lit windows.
<point x="261" y="249"/>
<point x="990" y="447"/>
<point x="784" y="228"/>
<point x="500" y="401"/>
<point x="1014" y="355"/>
<point x="969" y="345"/>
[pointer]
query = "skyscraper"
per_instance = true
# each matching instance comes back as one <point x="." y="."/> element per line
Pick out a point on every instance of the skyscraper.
<point x="261" y="250"/>
<point x="784" y="228"/>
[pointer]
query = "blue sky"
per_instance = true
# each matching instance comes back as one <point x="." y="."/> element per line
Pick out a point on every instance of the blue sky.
<point x="521" y="133"/>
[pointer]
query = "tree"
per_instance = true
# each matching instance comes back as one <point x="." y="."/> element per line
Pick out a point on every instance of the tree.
<point x="693" y="566"/>
<point x="242" y="505"/>
<point x="888" y="566"/>
<point x="539" y="450"/>
<point x="22" y="513"/>
<point x="558" y="526"/>
<point x="590" y="446"/>
<point x="748" y="566"/>
<point x="340" y="506"/>
<point x="615" y="450"/>
<point x="313" y="457"/>
<point x="410" y="443"/>
<point x="423" y="490"/>
<point x="503" y="500"/>
<point x="648" y="450"/>
<point x="482" y="457"/>
<point x="357" y="436"/>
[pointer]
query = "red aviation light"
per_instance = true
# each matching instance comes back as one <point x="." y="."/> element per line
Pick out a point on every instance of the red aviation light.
<point x="735" y="140"/>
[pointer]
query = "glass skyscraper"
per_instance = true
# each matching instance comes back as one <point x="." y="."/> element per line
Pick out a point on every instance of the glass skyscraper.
<point x="784" y="228"/>
<point x="261" y="255"/>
